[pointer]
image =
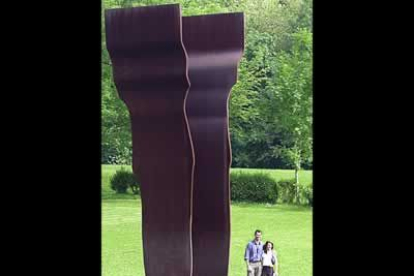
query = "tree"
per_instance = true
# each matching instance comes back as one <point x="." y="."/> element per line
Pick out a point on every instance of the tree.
<point x="115" y="125"/>
<point x="287" y="106"/>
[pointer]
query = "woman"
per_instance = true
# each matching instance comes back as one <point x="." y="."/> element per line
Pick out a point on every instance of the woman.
<point x="269" y="260"/>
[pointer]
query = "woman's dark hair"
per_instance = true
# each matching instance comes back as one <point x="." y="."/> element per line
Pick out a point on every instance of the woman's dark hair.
<point x="265" y="246"/>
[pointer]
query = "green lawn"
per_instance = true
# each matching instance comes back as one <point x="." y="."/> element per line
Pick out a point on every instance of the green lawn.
<point x="289" y="227"/>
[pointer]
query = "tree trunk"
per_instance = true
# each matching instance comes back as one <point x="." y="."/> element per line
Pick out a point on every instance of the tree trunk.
<point x="297" y="168"/>
<point x="297" y="184"/>
<point x="296" y="176"/>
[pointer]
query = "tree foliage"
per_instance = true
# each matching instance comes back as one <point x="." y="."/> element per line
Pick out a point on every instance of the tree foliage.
<point x="271" y="104"/>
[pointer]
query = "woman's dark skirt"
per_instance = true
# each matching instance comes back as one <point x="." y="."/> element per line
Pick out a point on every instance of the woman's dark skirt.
<point x="267" y="271"/>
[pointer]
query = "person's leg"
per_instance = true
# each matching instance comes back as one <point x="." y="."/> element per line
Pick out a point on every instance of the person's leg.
<point x="250" y="273"/>
<point x="269" y="271"/>
<point x="253" y="272"/>
<point x="259" y="268"/>
<point x="256" y="269"/>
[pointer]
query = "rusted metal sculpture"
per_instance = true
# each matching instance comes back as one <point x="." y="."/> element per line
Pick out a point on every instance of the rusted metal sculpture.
<point x="175" y="75"/>
<point x="149" y="68"/>
<point x="214" y="45"/>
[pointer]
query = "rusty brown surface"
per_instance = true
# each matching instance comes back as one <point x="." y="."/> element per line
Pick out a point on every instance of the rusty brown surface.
<point x="214" y="45"/>
<point x="149" y="68"/>
<point x="181" y="145"/>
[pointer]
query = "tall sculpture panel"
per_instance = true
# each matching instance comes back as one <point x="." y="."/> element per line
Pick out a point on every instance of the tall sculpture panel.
<point x="149" y="67"/>
<point x="214" y="45"/>
<point x="175" y="74"/>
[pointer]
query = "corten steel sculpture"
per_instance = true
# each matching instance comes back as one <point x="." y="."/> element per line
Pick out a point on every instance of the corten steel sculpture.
<point x="214" y="45"/>
<point x="181" y="146"/>
<point x="149" y="69"/>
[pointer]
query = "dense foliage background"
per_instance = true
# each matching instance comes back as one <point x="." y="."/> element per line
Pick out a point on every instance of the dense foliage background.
<point x="271" y="104"/>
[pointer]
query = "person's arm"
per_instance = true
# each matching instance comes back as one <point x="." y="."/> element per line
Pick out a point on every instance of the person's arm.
<point x="247" y="257"/>
<point x="273" y="258"/>
<point x="248" y="265"/>
<point x="275" y="263"/>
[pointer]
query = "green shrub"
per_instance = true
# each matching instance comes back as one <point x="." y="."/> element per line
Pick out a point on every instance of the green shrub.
<point x="135" y="188"/>
<point x="122" y="180"/>
<point x="261" y="187"/>
<point x="287" y="193"/>
<point x="306" y="195"/>
<point x="253" y="187"/>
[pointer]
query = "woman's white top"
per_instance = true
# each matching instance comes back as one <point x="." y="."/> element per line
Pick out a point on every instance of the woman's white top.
<point x="267" y="258"/>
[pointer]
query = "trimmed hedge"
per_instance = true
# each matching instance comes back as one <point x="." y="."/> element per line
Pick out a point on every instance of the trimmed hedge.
<point x="253" y="187"/>
<point x="122" y="180"/>
<point x="261" y="187"/>
<point x="245" y="187"/>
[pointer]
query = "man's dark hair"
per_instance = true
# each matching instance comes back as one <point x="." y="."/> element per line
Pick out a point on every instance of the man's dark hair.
<point x="257" y="231"/>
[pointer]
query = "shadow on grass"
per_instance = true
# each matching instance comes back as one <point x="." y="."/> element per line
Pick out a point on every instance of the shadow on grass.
<point x="278" y="206"/>
<point x="129" y="196"/>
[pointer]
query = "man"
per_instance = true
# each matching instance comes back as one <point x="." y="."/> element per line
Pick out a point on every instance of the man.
<point x="253" y="254"/>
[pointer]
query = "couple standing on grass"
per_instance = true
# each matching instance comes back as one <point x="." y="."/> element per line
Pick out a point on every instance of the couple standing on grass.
<point x="260" y="258"/>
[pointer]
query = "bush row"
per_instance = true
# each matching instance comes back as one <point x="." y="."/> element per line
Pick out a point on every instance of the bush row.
<point x="245" y="187"/>
<point x="261" y="187"/>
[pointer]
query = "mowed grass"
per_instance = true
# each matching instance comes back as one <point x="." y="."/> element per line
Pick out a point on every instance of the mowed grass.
<point x="289" y="227"/>
<point x="305" y="177"/>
